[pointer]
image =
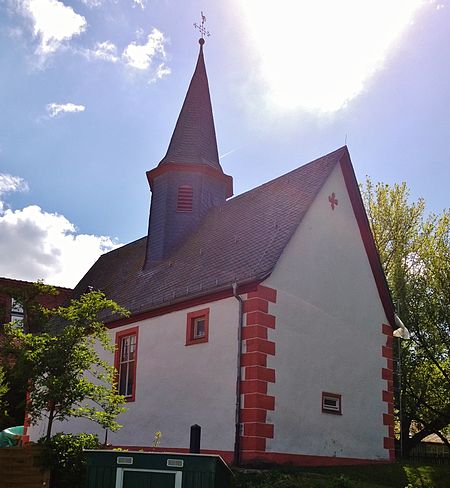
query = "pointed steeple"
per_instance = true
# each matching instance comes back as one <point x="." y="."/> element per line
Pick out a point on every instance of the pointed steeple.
<point x="189" y="180"/>
<point x="194" y="138"/>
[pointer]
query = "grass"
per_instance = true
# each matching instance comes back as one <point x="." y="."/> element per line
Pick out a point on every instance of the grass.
<point x="373" y="476"/>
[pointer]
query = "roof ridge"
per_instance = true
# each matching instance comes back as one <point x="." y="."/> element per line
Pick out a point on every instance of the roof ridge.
<point x="238" y="241"/>
<point x="124" y="245"/>
<point x="286" y="175"/>
<point x="33" y="282"/>
<point x="214" y="211"/>
<point x="237" y="197"/>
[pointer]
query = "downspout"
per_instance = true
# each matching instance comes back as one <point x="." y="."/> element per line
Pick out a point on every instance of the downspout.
<point x="237" y="439"/>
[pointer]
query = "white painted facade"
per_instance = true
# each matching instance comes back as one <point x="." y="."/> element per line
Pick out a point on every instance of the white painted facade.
<point x="178" y="385"/>
<point x="328" y="337"/>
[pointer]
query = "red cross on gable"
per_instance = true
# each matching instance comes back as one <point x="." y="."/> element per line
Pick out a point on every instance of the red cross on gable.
<point x="333" y="200"/>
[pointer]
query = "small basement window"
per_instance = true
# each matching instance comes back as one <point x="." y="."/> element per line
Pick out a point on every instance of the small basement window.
<point x="197" y="327"/>
<point x="331" y="403"/>
<point x="185" y="198"/>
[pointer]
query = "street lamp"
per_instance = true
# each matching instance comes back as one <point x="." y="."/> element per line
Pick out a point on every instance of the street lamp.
<point x="402" y="333"/>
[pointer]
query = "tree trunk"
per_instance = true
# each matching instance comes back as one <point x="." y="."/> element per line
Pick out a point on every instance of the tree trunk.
<point x="410" y="443"/>
<point x="443" y="439"/>
<point x="51" y="416"/>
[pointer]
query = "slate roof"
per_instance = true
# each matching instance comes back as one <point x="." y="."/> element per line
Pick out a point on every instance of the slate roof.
<point x="239" y="241"/>
<point x="194" y="138"/>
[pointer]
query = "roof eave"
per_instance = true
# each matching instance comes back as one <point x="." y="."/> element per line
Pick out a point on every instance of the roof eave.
<point x="191" y="168"/>
<point x="367" y="237"/>
<point x="205" y="296"/>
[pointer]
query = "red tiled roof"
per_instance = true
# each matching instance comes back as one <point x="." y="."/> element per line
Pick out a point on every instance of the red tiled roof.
<point x="433" y="438"/>
<point x="194" y="138"/>
<point x="239" y="241"/>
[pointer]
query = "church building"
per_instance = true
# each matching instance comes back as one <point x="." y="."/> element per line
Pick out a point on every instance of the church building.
<point x="265" y="318"/>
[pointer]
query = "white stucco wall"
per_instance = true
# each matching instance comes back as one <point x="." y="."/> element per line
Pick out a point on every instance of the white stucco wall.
<point x="328" y="337"/>
<point x="178" y="385"/>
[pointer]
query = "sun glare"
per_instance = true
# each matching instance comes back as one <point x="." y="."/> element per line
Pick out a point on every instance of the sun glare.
<point x="316" y="55"/>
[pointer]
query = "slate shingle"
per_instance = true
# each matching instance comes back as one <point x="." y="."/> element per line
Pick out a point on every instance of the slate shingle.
<point x="240" y="241"/>
<point x="194" y="138"/>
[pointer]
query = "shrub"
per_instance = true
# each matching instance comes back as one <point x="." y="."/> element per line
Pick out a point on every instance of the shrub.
<point x="342" y="482"/>
<point x="65" y="458"/>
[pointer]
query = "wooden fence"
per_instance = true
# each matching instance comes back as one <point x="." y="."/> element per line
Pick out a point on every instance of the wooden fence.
<point x="429" y="453"/>
<point x="19" y="468"/>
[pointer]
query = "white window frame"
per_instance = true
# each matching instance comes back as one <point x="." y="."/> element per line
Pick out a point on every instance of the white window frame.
<point x="195" y="322"/>
<point x="336" y="398"/>
<point x="120" y="472"/>
<point x="17" y="313"/>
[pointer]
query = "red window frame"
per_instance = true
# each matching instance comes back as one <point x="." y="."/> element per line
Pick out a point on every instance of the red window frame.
<point x="191" y="324"/>
<point x="334" y="396"/>
<point x="120" y="336"/>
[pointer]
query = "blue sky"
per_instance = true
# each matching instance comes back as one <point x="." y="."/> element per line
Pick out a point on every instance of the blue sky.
<point x="91" y="89"/>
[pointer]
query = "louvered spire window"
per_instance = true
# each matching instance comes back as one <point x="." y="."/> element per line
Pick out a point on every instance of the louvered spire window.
<point x="185" y="197"/>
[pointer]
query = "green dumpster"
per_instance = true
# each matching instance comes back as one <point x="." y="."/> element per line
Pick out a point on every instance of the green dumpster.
<point x="120" y="469"/>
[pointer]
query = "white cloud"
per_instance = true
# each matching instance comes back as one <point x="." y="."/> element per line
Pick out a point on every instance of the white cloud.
<point x="107" y="51"/>
<point x="15" y="33"/>
<point x="9" y="183"/>
<point x="140" y="33"/>
<point x="141" y="56"/>
<point x="149" y="56"/>
<point x="57" y="109"/>
<point x="53" y="23"/>
<point x="161" y="71"/>
<point x="36" y="244"/>
<point x="140" y="3"/>
<point x="92" y="3"/>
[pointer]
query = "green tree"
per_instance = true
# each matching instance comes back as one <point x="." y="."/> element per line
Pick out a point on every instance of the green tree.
<point x="28" y="297"/>
<point x="415" y="253"/>
<point x="34" y="319"/>
<point x="64" y="364"/>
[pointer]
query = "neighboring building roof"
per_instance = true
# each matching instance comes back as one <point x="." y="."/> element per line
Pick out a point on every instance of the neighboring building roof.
<point x="9" y="286"/>
<point x="19" y="283"/>
<point x="239" y="241"/>
<point x="194" y="138"/>
<point x="433" y="439"/>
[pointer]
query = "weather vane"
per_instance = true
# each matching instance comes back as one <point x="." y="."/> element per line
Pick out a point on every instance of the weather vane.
<point x="202" y="29"/>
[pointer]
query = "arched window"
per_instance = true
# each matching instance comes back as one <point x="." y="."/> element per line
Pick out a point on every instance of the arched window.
<point x="185" y="196"/>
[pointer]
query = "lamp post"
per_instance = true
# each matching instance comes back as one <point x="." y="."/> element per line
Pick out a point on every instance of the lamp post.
<point x="402" y="333"/>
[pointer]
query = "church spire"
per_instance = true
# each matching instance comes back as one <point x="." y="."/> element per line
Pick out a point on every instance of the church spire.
<point x="189" y="180"/>
<point x="194" y="138"/>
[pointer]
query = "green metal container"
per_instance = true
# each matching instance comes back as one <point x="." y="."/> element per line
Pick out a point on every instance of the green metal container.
<point x="121" y="469"/>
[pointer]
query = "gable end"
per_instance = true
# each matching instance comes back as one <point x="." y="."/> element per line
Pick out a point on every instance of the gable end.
<point x="367" y="237"/>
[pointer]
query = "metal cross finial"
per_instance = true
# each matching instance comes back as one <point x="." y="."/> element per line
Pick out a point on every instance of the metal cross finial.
<point x="201" y="27"/>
